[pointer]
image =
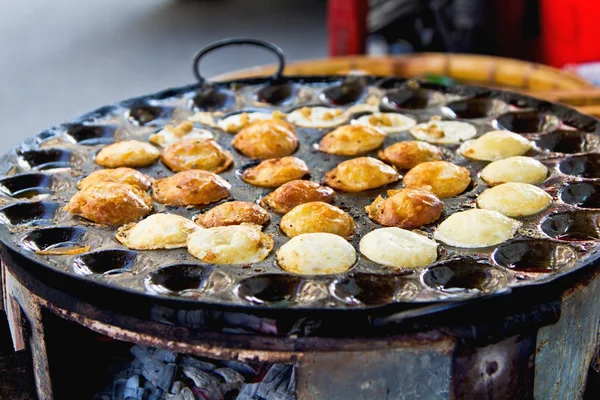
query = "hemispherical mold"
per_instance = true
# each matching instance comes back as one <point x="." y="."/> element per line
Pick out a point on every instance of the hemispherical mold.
<point x="527" y="122"/>
<point x="276" y="94"/>
<point x="60" y="240"/>
<point x="474" y="108"/>
<point x="413" y="99"/>
<point x="373" y="289"/>
<point x="45" y="159"/>
<point x="537" y="256"/>
<point x="280" y="290"/>
<point x="581" y="194"/>
<point x="212" y="99"/>
<point x="104" y="262"/>
<point x="146" y="114"/>
<point x="464" y="276"/>
<point x="192" y="280"/>
<point x="584" y="166"/>
<point x="345" y="93"/>
<point x="89" y="135"/>
<point x="571" y="226"/>
<point x="567" y="141"/>
<point x="26" y="186"/>
<point x="28" y="213"/>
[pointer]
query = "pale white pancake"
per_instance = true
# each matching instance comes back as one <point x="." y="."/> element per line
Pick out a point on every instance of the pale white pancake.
<point x="386" y="122"/>
<point x="495" y="145"/>
<point x="158" y="231"/>
<point x="476" y="228"/>
<point x="316" y="254"/>
<point x="515" y="199"/>
<point x="234" y="123"/>
<point x="317" y="117"/>
<point x="168" y="136"/>
<point x="233" y="244"/>
<point x="443" y="132"/>
<point x="515" y="169"/>
<point x="398" y="248"/>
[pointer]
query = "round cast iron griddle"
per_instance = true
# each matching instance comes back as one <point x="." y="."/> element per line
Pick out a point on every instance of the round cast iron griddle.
<point x="41" y="176"/>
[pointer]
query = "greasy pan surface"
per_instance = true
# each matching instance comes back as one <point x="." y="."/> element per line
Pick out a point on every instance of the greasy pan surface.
<point x="42" y="174"/>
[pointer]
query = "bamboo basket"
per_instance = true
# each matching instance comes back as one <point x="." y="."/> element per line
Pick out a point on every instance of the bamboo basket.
<point x="538" y="80"/>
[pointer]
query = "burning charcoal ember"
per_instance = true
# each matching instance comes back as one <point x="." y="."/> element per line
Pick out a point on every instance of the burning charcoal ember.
<point x="167" y="356"/>
<point x="194" y="362"/>
<point x="201" y="379"/>
<point x="241" y="367"/>
<point x="166" y="376"/>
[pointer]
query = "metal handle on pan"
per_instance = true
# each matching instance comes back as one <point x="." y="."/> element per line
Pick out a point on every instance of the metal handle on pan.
<point x="237" y="42"/>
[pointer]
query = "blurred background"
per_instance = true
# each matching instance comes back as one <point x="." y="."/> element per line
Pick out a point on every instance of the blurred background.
<point x="62" y="58"/>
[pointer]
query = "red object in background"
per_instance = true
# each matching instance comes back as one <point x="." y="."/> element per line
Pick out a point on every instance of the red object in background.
<point x="569" y="31"/>
<point x="347" y="26"/>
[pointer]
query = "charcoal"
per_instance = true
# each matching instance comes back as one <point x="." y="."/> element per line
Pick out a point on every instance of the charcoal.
<point x="174" y="397"/>
<point x="277" y="383"/>
<point x="187" y="394"/>
<point x="229" y="375"/>
<point x="241" y="367"/>
<point x="131" y="388"/>
<point x="119" y="389"/>
<point x="163" y="355"/>
<point x="201" y="379"/>
<point x="157" y="394"/>
<point x="249" y="392"/>
<point x="166" y="376"/>
<point x="194" y="362"/>
<point x="176" y="387"/>
<point x="142" y="353"/>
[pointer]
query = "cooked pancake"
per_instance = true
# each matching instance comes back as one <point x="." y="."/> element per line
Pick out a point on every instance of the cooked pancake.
<point x="204" y="154"/>
<point x="317" y="117"/>
<point x="128" y="153"/>
<point x="205" y="118"/>
<point x="352" y="140"/>
<point x="294" y="193"/>
<point x="158" y="231"/>
<point x="316" y="254"/>
<point x="190" y="188"/>
<point x="110" y="203"/>
<point x="406" y="208"/>
<point x="398" y="248"/>
<point x="495" y="145"/>
<point x="515" y="199"/>
<point x="387" y="122"/>
<point x="406" y="155"/>
<point x="234" y="244"/>
<point x="360" y="174"/>
<point x="120" y="175"/>
<point x="233" y="213"/>
<point x="171" y="134"/>
<point x="275" y="172"/>
<point x="442" y="178"/>
<point x="317" y="216"/>
<point x="266" y="139"/>
<point x="236" y="122"/>
<point x="476" y="228"/>
<point x="444" y="132"/>
<point x="515" y="169"/>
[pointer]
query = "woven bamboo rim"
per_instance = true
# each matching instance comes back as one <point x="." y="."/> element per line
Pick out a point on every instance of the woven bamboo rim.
<point x="536" y="79"/>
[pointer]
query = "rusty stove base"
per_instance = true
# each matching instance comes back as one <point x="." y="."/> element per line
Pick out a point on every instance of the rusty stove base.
<point x="549" y="362"/>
